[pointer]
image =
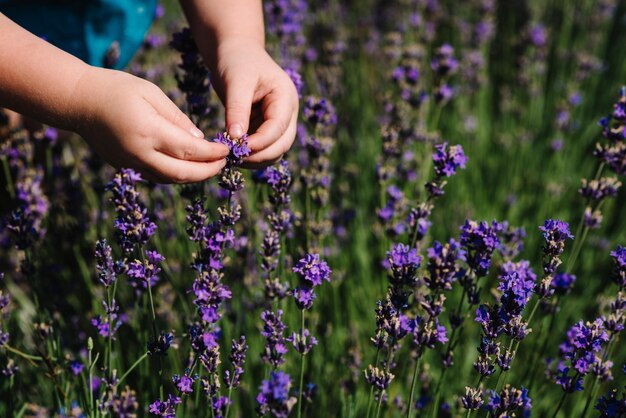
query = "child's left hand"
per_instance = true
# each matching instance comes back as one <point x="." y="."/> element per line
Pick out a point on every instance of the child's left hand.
<point x="259" y="98"/>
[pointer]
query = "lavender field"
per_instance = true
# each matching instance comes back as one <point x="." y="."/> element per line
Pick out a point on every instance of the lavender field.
<point x="444" y="239"/>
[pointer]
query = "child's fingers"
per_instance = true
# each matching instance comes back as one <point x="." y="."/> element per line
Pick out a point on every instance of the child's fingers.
<point x="278" y="113"/>
<point x="239" y="95"/>
<point x="178" y="143"/>
<point x="168" y="110"/>
<point x="274" y="152"/>
<point x="172" y="170"/>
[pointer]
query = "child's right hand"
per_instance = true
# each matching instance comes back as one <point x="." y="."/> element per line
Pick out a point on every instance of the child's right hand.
<point x="131" y="123"/>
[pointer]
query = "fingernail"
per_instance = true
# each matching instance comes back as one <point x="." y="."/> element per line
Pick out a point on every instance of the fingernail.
<point x="235" y="130"/>
<point x="196" y="132"/>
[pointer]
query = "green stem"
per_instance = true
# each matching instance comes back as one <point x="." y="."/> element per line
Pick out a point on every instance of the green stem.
<point x="591" y="397"/>
<point x="135" y="364"/>
<point x="560" y="404"/>
<point x="301" y="366"/>
<point x="413" y="384"/>
<point x="8" y="177"/>
<point x="371" y="395"/>
<point x="22" y="354"/>
<point x="156" y="336"/>
<point x="382" y="392"/>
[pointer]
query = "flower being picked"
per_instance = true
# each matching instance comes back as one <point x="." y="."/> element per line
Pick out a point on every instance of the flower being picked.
<point x="238" y="148"/>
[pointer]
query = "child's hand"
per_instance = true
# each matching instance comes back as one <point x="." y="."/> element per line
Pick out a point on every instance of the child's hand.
<point x="131" y="123"/>
<point x="258" y="96"/>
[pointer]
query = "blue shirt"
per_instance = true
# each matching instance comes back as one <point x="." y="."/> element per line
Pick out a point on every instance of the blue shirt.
<point x="104" y="33"/>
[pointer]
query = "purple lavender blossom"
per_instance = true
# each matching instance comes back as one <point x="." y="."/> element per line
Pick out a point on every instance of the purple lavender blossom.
<point x="509" y="401"/>
<point x="403" y="262"/>
<point x="273" y="329"/>
<point x="184" y="383"/>
<point x="238" y="147"/>
<point x="511" y="240"/>
<point x="479" y="240"/>
<point x="619" y="269"/>
<point x="274" y="397"/>
<point x="378" y="378"/>
<point x="145" y="272"/>
<point x="442" y="265"/>
<point x="165" y="409"/>
<point x="238" y="359"/>
<point x="76" y="367"/>
<point x="612" y="405"/>
<point x="448" y="159"/>
<point x="26" y="222"/>
<point x="302" y="341"/>
<point x="132" y="222"/>
<point x="579" y="350"/>
<point x="312" y="270"/>
<point x="562" y="283"/>
<point x="444" y="63"/>
<point x="319" y="112"/>
<point x="194" y="82"/>
<point x="555" y="233"/>
<point x="600" y="189"/>
<point x="472" y="400"/>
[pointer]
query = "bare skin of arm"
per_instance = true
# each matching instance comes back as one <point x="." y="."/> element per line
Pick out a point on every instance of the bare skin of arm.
<point x="130" y="122"/>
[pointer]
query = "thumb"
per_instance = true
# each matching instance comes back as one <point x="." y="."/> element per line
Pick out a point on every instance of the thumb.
<point x="238" y="105"/>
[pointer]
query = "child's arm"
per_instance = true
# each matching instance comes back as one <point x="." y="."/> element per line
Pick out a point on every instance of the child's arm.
<point x="230" y="36"/>
<point x="129" y="121"/>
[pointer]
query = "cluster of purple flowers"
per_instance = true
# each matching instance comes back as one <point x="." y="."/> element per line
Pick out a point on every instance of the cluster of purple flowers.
<point x="4" y="312"/>
<point x="509" y="401"/>
<point x="273" y="331"/>
<point x="312" y="272"/>
<point x="26" y="222"/>
<point x="479" y="240"/>
<point x="274" y="397"/>
<point x="194" y="81"/>
<point x="443" y="64"/>
<point x="516" y="284"/>
<point x="133" y="225"/>
<point x="279" y="223"/>
<point x="578" y="354"/>
<point x="447" y="161"/>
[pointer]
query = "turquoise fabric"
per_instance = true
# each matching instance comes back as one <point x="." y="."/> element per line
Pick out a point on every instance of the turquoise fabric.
<point x="87" y="29"/>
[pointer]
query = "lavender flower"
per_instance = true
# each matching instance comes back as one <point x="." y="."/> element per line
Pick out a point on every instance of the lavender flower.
<point x="312" y="270"/>
<point x="145" y="272"/>
<point x="619" y="269"/>
<point x="511" y="240"/>
<point x="555" y="233"/>
<point x="273" y="329"/>
<point x="509" y="401"/>
<point x="403" y="262"/>
<point x="612" y="405"/>
<point x="132" y="222"/>
<point x="562" y="283"/>
<point x="238" y="148"/>
<point x="319" y="112"/>
<point x="444" y="63"/>
<point x="26" y="222"/>
<point x="378" y="378"/>
<point x="448" y="160"/>
<point x="472" y="400"/>
<point x="600" y="189"/>
<point x="442" y="265"/>
<point x="479" y="240"/>
<point x="302" y="341"/>
<point x="237" y="359"/>
<point x="194" y="82"/>
<point x="274" y="397"/>
<point x="167" y="408"/>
